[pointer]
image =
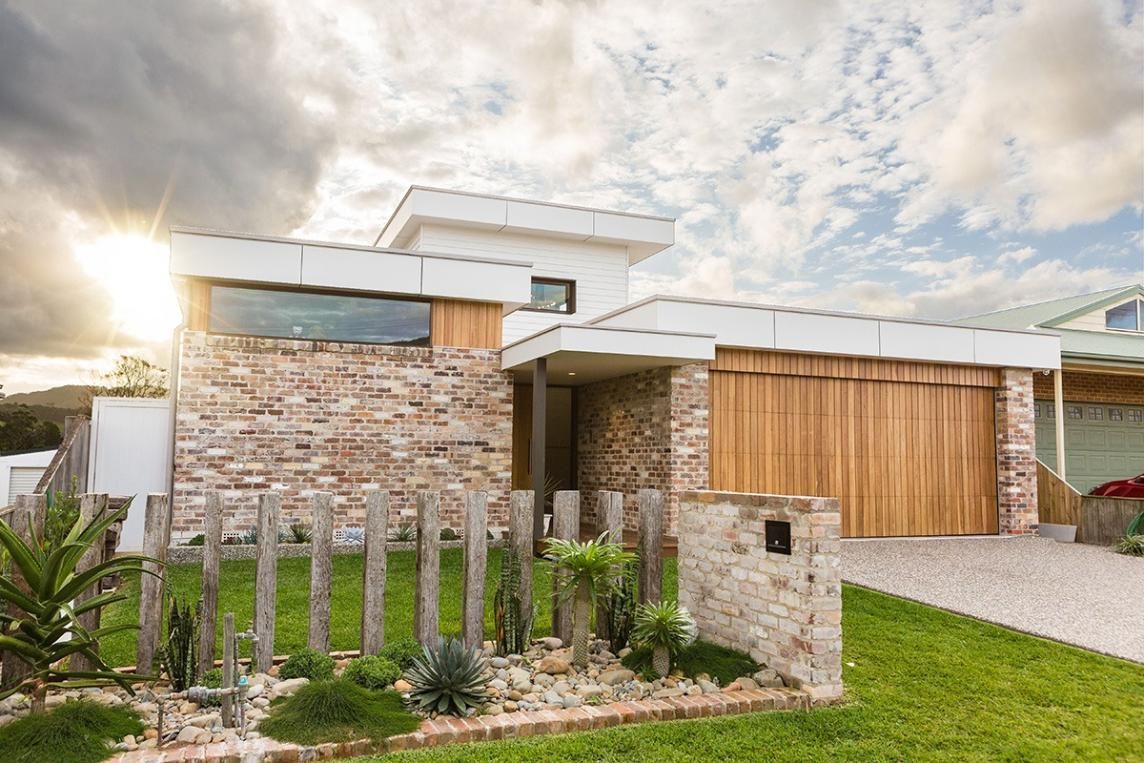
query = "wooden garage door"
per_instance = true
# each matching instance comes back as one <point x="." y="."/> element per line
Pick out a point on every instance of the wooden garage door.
<point x="909" y="448"/>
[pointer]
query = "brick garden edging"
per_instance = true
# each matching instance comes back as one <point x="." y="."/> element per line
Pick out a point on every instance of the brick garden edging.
<point x="442" y="731"/>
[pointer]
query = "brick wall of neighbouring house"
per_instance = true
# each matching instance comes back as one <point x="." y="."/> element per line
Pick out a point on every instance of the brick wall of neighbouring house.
<point x="645" y="430"/>
<point x="1016" y="453"/>
<point x="1083" y="387"/>
<point x="785" y="610"/>
<point x="297" y="416"/>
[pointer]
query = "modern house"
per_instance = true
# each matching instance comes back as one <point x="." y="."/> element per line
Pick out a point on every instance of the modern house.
<point x="1100" y="386"/>
<point x="422" y="362"/>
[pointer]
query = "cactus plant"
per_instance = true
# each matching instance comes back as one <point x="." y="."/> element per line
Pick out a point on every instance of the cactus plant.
<point x="448" y="679"/>
<point x="180" y="652"/>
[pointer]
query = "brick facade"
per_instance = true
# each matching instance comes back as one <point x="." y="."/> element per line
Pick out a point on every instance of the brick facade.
<point x="1082" y="387"/>
<point x="296" y="416"/>
<point x="1016" y="453"/>
<point x="644" y="430"/>
<point x="784" y="610"/>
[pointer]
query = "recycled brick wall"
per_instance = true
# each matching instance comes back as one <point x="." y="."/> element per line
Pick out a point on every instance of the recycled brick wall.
<point x="297" y="416"/>
<point x="1083" y="387"/>
<point x="785" y="611"/>
<point x="644" y="430"/>
<point x="1016" y="453"/>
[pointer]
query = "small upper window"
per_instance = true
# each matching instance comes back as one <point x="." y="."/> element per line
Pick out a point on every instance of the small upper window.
<point x="1126" y="317"/>
<point x="550" y="295"/>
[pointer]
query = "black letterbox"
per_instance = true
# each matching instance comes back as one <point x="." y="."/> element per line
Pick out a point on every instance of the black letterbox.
<point x="778" y="537"/>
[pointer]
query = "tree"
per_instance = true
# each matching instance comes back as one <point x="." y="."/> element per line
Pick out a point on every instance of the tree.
<point x="21" y="430"/>
<point x="132" y="376"/>
<point x="587" y="572"/>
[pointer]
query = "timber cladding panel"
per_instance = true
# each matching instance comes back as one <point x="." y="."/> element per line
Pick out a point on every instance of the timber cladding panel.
<point x="458" y="323"/>
<point x="908" y="448"/>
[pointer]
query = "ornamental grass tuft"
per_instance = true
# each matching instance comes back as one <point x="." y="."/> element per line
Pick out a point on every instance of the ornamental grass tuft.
<point x="81" y="731"/>
<point x="337" y="711"/>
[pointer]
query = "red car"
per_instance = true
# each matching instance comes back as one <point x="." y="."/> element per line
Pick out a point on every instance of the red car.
<point x="1129" y="488"/>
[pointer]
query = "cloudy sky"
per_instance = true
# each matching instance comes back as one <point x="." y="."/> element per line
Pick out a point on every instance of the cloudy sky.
<point x="933" y="159"/>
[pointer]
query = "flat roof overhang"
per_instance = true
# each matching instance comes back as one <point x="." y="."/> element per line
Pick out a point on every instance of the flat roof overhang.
<point x="578" y="354"/>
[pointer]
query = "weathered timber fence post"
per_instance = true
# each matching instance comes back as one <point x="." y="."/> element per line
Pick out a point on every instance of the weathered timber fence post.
<point x="27" y="522"/>
<point x="609" y="519"/>
<point x="266" y="580"/>
<point x="520" y="540"/>
<point x="156" y="537"/>
<point x="228" y="657"/>
<point x="650" y="545"/>
<point x="565" y="525"/>
<point x="373" y="574"/>
<point x="212" y="553"/>
<point x="321" y="569"/>
<point x="91" y="505"/>
<point x="474" y="566"/>
<point x="425" y="628"/>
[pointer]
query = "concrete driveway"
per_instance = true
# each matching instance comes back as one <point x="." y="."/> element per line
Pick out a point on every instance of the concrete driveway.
<point x="1070" y="592"/>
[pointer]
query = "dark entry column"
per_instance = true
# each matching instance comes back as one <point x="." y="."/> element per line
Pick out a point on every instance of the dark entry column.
<point x="539" y="440"/>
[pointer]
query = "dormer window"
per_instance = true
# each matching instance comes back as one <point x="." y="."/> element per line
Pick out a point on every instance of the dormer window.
<point x="553" y="295"/>
<point x="1126" y="317"/>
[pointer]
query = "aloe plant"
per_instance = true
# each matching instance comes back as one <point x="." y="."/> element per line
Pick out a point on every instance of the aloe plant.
<point x="40" y="626"/>
<point x="450" y="678"/>
<point x="590" y="570"/>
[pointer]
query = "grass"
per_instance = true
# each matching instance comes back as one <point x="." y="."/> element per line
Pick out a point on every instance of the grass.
<point x="74" y="732"/>
<point x="701" y="657"/>
<point x="337" y="711"/>
<point x="292" y="616"/>
<point x="922" y="685"/>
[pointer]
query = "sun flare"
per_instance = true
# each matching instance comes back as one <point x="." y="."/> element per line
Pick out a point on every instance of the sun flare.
<point x="133" y="270"/>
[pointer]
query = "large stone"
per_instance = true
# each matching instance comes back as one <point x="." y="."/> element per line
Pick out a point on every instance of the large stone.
<point x="552" y="697"/>
<point x="590" y="690"/>
<point x="617" y="676"/>
<point x="498" y="663"/>
<point x="746" y="683"/>
<point x="553" y="665"/>
<point x="188" y="734"/>
<point x="768" y="678"/>
<point x="707" y="686"/>
<point x="665" y="693"/>
<point x="288" y="687"/>
<point x="572" y="700"/>
<point x="402" y="685"/>
<point x="551" y="643"/>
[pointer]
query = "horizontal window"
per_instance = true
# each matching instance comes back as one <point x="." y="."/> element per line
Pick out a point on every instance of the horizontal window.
<point x="307" y="315"/>
<point x="550" y="295"/>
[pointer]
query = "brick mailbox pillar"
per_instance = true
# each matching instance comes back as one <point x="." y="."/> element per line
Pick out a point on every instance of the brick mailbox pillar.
<point x="785" y="610"/>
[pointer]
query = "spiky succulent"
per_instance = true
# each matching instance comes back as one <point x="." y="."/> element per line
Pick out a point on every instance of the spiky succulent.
<point x="403" y="533"/>
<point x="448" y="679"/>
<point x="666" y="628"/>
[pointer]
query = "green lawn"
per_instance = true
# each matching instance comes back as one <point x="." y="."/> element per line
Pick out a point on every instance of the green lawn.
<point x="923" y="685"/>
<point x="237" y="595"/>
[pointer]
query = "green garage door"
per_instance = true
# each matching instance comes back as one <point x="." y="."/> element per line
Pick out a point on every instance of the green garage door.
<point x="1103" y="441"/>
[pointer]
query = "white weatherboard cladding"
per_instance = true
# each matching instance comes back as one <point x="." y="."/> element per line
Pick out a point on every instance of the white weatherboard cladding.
<point x="599" y="270"/>
<point x="949" y="344"/>
<point x="237" y="259"/>
<point x="358" y="269"/>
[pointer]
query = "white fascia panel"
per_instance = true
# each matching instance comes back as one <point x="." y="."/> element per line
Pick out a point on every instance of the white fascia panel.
<point x="732" y="326"/>
<point x="645" y="316"/>
<point x="236" y="259"/>
<point x="918" y="341"/>
<point x="609" y="341"/>
<point x="363" y="270"/>
<point x="807" y="332"/>
<point x="1003" y="348"/>
<point x="388" y="236"/>
<point x="483" y="281"/>
<point x="629" y="229"/>
<point x="473" y="210"/>
<point x="523" y="217"/>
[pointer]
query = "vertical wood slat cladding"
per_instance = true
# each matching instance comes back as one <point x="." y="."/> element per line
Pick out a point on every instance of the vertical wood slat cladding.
<point x="459" y="323"/>
<point x="198" y="305"/>
<point x="909" y="448"/>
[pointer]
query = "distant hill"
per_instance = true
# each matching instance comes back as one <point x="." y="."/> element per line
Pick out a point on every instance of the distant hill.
<point x="68" y="396"/>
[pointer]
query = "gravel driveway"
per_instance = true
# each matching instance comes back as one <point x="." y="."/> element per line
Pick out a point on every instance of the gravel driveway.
<point x="1071" y="592"/>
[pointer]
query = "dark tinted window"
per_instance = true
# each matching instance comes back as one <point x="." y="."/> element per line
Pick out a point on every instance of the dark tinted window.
<point x="553" y="296"/>
<point x="302" y="315"/>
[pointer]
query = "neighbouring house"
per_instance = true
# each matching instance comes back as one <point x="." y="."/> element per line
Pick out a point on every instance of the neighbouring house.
<point x="421" y="363"/>
<point x="1100" y="386"/>
<point x="19" y="473"/>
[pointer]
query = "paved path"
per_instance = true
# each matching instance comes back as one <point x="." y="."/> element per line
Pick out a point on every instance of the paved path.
<point x="1071" y="592"/>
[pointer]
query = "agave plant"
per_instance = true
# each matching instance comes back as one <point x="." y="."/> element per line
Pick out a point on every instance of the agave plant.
<point x="298" y="533"/>
<point x="354" y="535"/>
<point x="40" y="626"/>
<point x="666" y="629"/>
<point x="588" y="573"/>
<point x="1136" y="526"/>
<point x="448" y="679"/>
<point x="403" y="533"/>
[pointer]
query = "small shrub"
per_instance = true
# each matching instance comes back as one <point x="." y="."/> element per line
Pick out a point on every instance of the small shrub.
<point x="448" y="533"/>
<point x="249" y="537"/>
<point x="198" y="540"/>
<point x="448" y="679"/>
<point x="62" y="511"/>
<point x="372" y="671"/>
<point x="337" y="711"/>
<point x="1130" y="545"/>
<point x="75" y="732"/>
<point x="180" y="653"/>
<point x="403" y="533"/>
<point x="308" y="663"/>
<point x="298" y="533"/>
<point x="212" y="679"/>
<point x="403" y="652"/>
